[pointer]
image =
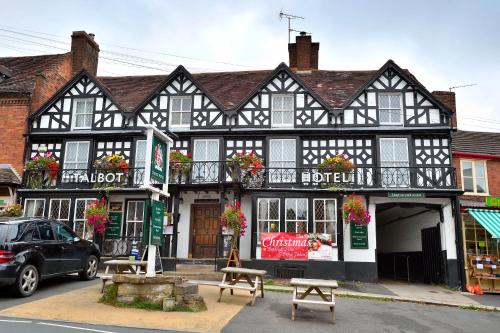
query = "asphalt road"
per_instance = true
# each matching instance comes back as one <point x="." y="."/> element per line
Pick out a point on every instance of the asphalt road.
<point x="45" y="289"/>
<point x="19" y="325"/>
<point x="273" y="314"/>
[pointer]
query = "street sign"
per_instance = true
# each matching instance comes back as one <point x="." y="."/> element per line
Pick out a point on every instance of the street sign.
<point x="158" y="160"/>
<point x="359" y="236"/>
<point x="157" y="214"/>
<point x="493" y="201"/>
<point x="114" y="227"/>
<point x="405" y="195"/>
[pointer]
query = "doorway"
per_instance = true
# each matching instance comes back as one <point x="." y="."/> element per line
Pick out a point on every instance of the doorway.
<point x="204" y="230"/>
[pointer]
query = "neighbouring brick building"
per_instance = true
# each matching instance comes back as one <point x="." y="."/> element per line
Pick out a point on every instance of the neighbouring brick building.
<point x="25" y="84"/>
<point x="477" y="161"/>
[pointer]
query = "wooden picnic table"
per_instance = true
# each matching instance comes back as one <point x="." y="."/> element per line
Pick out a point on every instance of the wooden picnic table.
<point x="233" y="275"/>
<point x="305" y="287"/>
<point x="122" y="266"/>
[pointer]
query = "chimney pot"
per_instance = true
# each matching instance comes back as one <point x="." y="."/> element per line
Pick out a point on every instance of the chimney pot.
<point x="303" y="54"/>
<point x="303" y="33"/>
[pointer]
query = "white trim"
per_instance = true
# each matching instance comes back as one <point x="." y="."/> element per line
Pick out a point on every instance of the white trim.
<point x="73" y="112"/>
<point x="59" y="213"/>
<point x="334" y="221"/>
<point x="474" y="184"/>
<point x="258" y="219"/>
<point x="182" y="98"/>
<point x="283" y="125"/>
<point x="135" y="216"/>
<point x="390" y="108"/>
<point x="35" y="200"/>
<point x="77" y="152"/>
<point x="206" y="140"/>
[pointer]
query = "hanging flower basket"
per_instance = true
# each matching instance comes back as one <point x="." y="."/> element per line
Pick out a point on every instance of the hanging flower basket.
<point x="234" y="220"/>
<point x="96" y="216"/>
<point x="248" y="167"/>
<point x="112" y="164"/>
<point x="354" y="211"/>
<point x="180" y="166"/>
<point x="338" y="164"/>
<point x="42" y="171"/>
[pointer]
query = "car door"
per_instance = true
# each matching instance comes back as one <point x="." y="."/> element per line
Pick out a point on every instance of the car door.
<point x="48" y="247"/>
<point x="70" y="255"/>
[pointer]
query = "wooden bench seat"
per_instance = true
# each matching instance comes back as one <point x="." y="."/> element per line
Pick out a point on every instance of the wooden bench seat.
<point x="313" y="287"/>
<point x="233" y="275"/>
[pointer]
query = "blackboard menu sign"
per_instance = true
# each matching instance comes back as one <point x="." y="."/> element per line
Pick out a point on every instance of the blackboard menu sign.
<point x="114" y="226"/>
<point x="359" y="236"/>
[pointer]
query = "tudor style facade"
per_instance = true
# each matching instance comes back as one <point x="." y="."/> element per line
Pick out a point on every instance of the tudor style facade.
<point x="395" y="132"/>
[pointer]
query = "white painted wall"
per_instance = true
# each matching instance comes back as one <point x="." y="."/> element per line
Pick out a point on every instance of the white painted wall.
<point x="361" y="255"/>
<point x="246" y="241"/>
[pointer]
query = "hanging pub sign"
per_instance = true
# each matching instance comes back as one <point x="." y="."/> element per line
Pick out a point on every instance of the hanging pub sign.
<point x="296" y="246"/>
<point x="158" y="160"/>
<point x="492" y="201"/>
<point x="157" y="214"/>
<point x="359" y="236"/>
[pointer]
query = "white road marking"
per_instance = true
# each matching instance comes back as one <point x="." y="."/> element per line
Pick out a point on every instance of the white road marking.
<point x="15" y="321"/>
<point x="74" y="327"/>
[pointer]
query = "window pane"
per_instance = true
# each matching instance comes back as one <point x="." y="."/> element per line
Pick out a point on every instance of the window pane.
<point x="139" y="214"/>
<point x="54" y="209"/>
<point x="63" y="233"/>
<point x="331" y="213"/>
<point x="80" y="209"/>
<point x="288" y="117"/>
<point x="319" y="209"/>
<point x="467" y="168"/>
<point x="274" y="209"/>
<point x="395" y="101"/>
<point x="383" y="101"/>
<point x="71" y="150"/>
<point x="185" y="118"/>
<point x="385" y="116"/>
<point x="289" y="150"/>
<point x="395" y="116"/>
<point x="468" y="184"/>
<point x="83" y="152"/>
<point x="291" y="213"/>
<point x="39" y="206"/>
<point x="479" y="166"/>
<point x="277" y="117"/>
<point x="176" y="104"/>
<point x="400" y="150"/>
<point x="45" y="231"/>
<point x="80" y="107"/>
<point x="186" y="104"/>
<point x="480" y="185"/>
<point x="288" y="103"/>
<point x="263" y="204"/>
<point x="176" y="118"/>
<point x="131" y="211"/>
<point x="301" y="209"/>
<point x="140" y="153"/>
<point x="277" y="103"/>
<point x="275" y="150"/>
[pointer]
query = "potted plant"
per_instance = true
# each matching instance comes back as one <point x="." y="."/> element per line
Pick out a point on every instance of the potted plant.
<point x="248" y="167"/>
<point x="354" y="211"/>
<point x="112" y="164"/>
<point x="180" y="166"/>
<point x="338" y="164"/>
<point x="96" y="217"/>
<point x="42" y="170"/>
<point x="233" y="220"/>
<point x="13" y="210"/>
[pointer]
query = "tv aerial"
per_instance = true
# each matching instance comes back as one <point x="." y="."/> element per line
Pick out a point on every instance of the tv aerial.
<point x="290" y="17"/>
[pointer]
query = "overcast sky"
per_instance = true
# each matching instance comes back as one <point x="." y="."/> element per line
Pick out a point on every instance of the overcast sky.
<point x="443" y="43"/>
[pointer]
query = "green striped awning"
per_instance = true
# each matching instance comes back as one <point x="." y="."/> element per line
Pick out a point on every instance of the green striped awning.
<point x="489" y="219"/>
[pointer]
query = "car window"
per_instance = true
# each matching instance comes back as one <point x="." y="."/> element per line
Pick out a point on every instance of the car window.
<point x="45" y="230"/>
<point x="63" y="232"/>
<point x="28" y="233"/>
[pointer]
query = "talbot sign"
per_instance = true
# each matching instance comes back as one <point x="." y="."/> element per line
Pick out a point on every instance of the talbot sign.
<point x="327" y="177"/>
<point x="96" y="177"/>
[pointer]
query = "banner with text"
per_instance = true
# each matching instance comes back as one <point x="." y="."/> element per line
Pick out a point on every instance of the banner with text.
<point x="296" y="246"/>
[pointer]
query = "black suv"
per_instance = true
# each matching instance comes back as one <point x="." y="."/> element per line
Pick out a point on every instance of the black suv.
<point x="36" y="249"/>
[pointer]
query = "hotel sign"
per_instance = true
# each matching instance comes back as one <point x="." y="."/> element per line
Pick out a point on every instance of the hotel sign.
<point x="95" y="177"/>
<point x="327" y="177"/>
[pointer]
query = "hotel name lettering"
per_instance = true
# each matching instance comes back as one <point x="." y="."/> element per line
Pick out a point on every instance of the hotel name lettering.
<point x="327" y="177"/>
<point x="96" y="177"/>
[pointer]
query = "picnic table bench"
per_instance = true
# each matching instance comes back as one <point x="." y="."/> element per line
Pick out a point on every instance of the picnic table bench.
<point x="305" y="287"/>
<point x="122" y="266"/>
<point x="233" y="275"/>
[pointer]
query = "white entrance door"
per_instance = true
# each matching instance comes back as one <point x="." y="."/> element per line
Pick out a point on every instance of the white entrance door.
<point x="394" y="162"/>
<point x="205" y="158"/>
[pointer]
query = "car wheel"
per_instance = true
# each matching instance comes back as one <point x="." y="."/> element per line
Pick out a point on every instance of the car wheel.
<point x="27" y="281"/>
<point x="90" y="269"/>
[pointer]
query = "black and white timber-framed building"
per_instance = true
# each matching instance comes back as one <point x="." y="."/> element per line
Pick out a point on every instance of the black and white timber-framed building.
<point x="390" y="126"/>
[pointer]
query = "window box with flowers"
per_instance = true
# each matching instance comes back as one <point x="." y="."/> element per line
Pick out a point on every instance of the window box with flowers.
<point x="96" y="218"/>
<point x="338" y="164"/>
<point x="180" y="166"/>
<point x="42" y="171"/>
<point x="248" y="168"/>
<point x="112" y="164"/>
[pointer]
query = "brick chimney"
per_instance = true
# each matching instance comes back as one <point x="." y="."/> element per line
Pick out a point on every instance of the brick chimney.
<point x="84" y="52"/>
<point x="447" y="98"/>
<point x="303" y="53"/>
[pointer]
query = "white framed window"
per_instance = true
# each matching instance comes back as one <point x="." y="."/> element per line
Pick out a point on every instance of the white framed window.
<point x="79" y="216"/>
<point x="474" y="177"/>
<point x="325" y="217"/>
<point x="180" y="111"/>
<point x="394" y="162"/>
<point x="34" y="207"/>
<point x="206" y="154"/>
<point x="282" y="157"/>
<point x="76" y="155"/>
<point x="139" y="161"/>
<point x="59" y="209"/>
<point x="390" y="109"/>
<point x="135" y="218"/>
<point x="282" y="111"/>
<point x="268" y="215"/>
<point x="83" y="108"/>
<point x="296" y="215"/>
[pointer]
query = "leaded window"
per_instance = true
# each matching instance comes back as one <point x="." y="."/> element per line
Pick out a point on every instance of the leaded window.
<point x="180" y="111"/>
<point x="282" y="113"/>
<point x="59" y="209"/>
<point x="34" y="207"/>
<point x="135" y="218"/>
<point x="79" y="225"/>
<point x="394" y="162"/>
<point x="82" y="113"/>
<point x="325" y="217"/>
<point x="268" y="215"/>
<point x="390" y="110"/>
<point x="282" y="160"/>
<point x="296" y="215"/>
<point x="205" y="168"/>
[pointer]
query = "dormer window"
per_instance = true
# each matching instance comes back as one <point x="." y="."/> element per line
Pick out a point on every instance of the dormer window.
<point x="180" y="111"/>
<point x="390" y="109"/>
<point x="82" y="113"/>
<point x="282" y="113"/>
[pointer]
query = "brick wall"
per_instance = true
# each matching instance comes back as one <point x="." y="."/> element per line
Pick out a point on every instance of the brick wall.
<point x="448" y="99"/>
<point x="13" y="112"/>
<point x="49" y="82"/>
<point x="493" y="173"/>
